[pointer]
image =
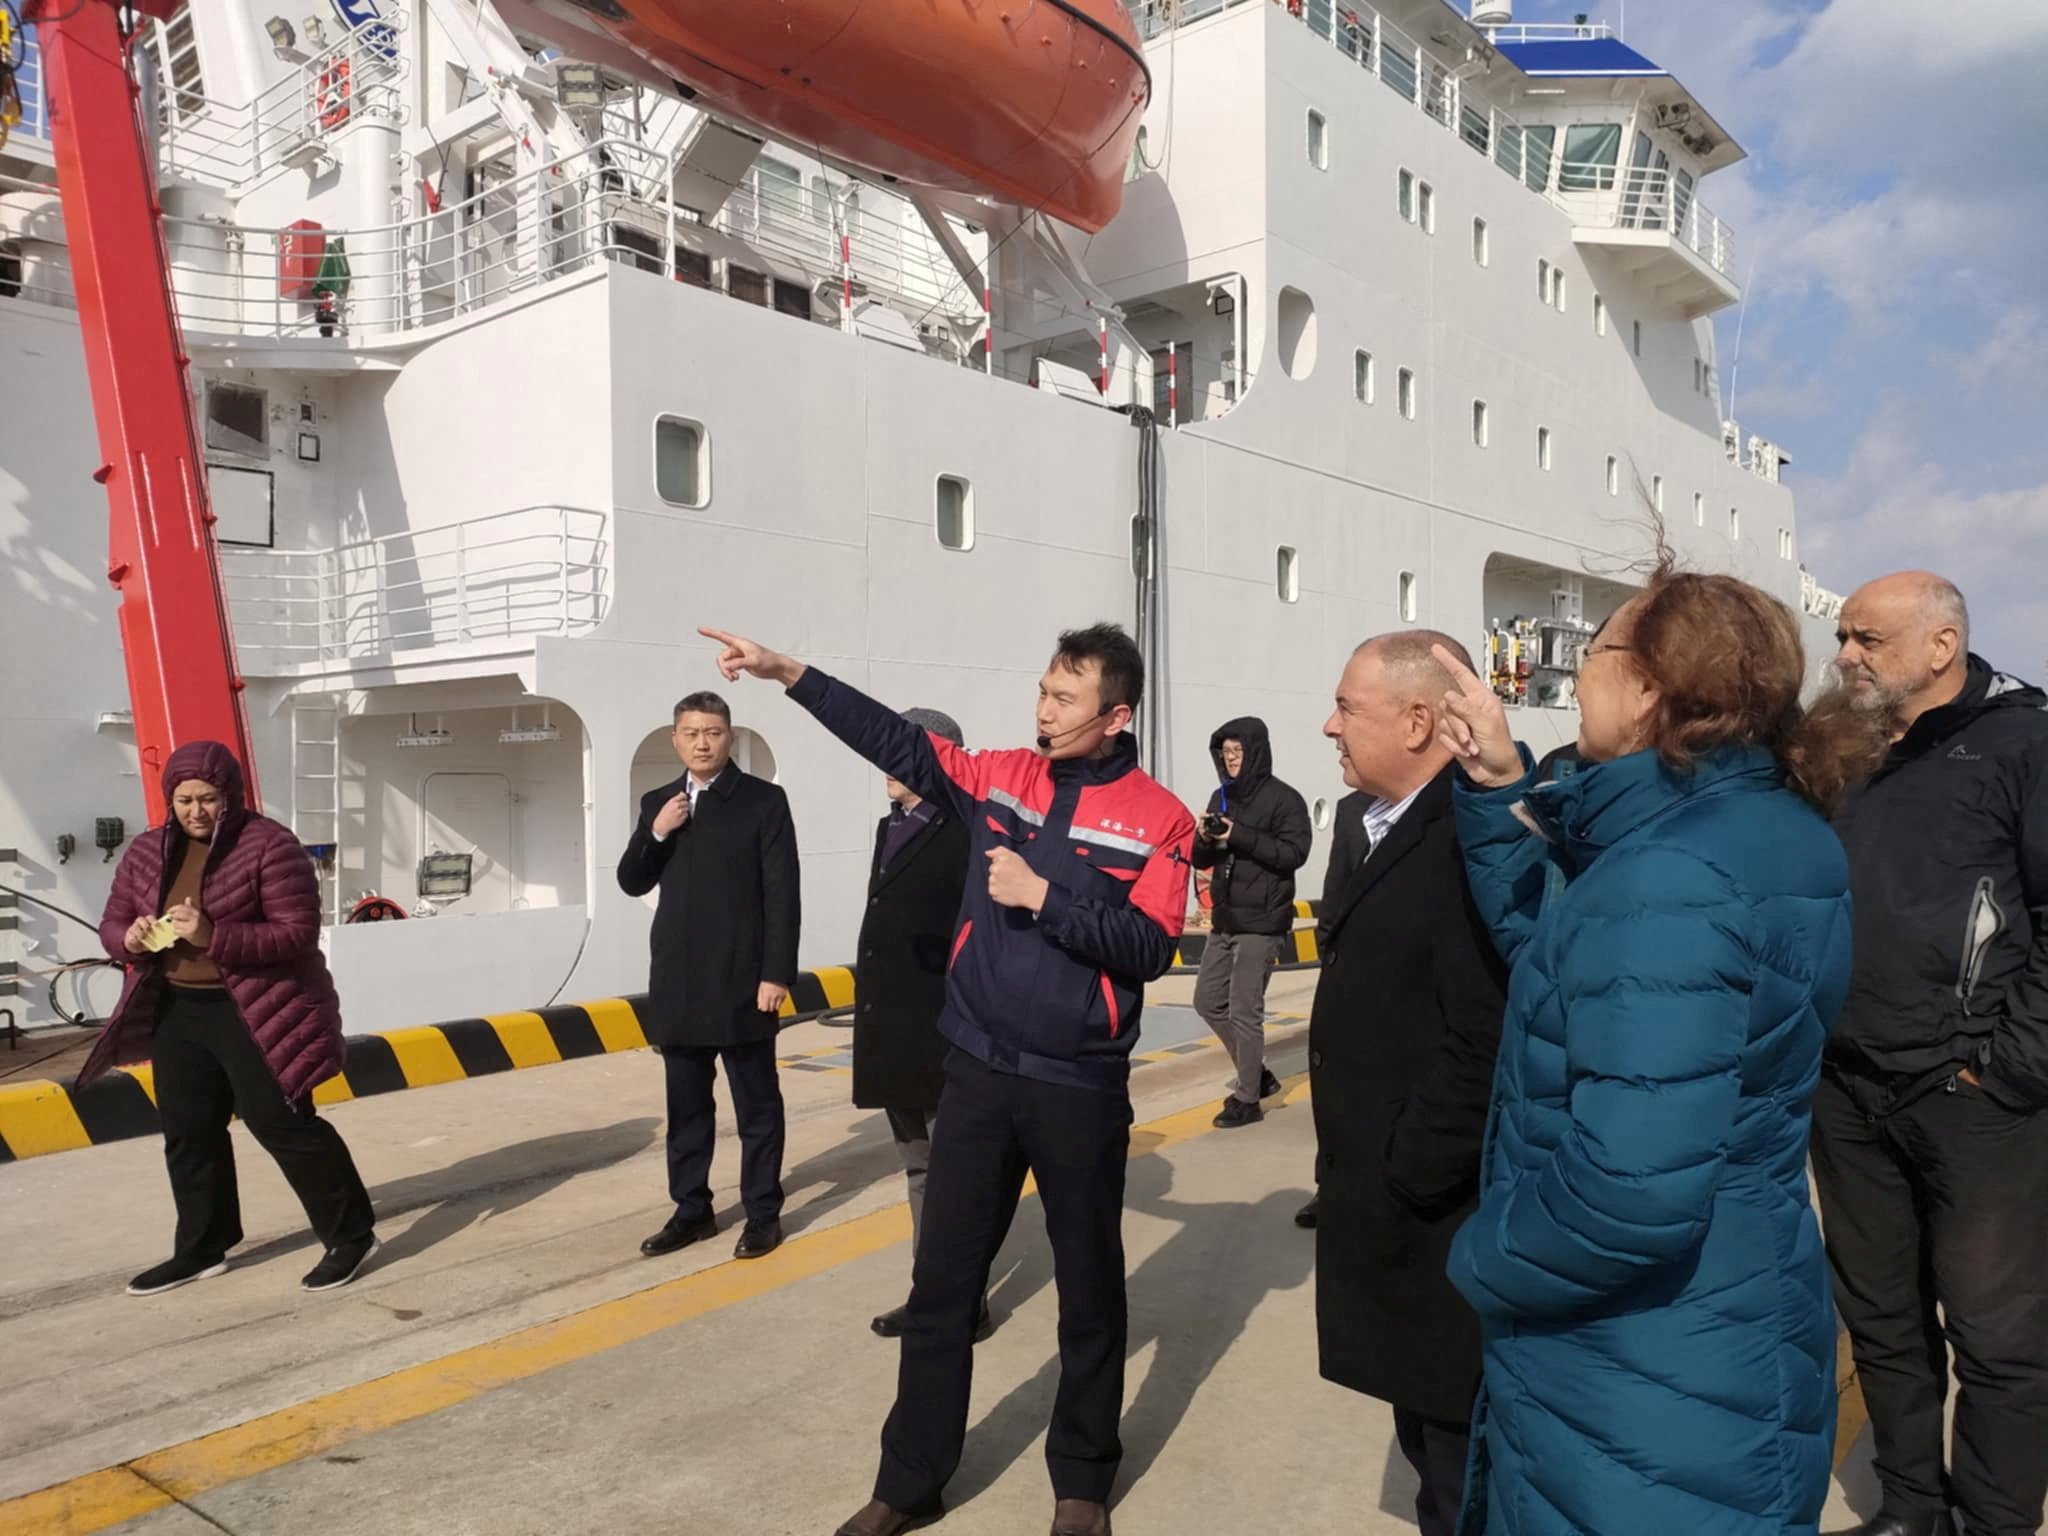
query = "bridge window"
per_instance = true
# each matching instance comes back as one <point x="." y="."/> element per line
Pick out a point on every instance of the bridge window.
<point x="1318" y="140"/>
<point x="954" y="512"/>
<point x="1287" y="574"/>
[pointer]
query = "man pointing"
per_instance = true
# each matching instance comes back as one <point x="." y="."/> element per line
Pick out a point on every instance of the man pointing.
<point x="1076" y="893"/>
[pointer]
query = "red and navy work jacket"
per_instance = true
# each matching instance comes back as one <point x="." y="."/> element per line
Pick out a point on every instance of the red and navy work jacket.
<point x="1054" y="996"/>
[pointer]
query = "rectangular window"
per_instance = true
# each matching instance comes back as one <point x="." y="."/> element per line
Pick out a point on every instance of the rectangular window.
<point x="1543" y="447"/>
<point x="1404" y="194"/>
<point x="1557" y="289"/>
<point x="1479" y="250"/>
<point x="238" y="419"/>
<point x="1599" y="315"/>
<point x="1543" y="281"/>
<point x="1408" y="597"/>
<point x="953" y="512"/>
<point x="745" y="284"/>
<point x="1173" y="394"/>
<point x="1699" y="510"/>
<point x="780" y="185"/>
<point x="1734" y="522"/>
<point x="1591" y="151"/>
<point x="1361" y="376"/>
<point x="1425" y="206"/>
<point x="682" y="462"/>
<point x="1479" y="423"/>
<point x="1613" y="475"/>
<point x="1636" y="341"/>
<point x="1784" y="543"/>
<point x="1407" y="393"/>
<point x="1657" y="492"/>
<point x="1318" y="140"/>
<point x="1287" y="576"/>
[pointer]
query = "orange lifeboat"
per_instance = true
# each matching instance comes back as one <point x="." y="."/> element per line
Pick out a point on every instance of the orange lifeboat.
<point x="1035" y="102"/>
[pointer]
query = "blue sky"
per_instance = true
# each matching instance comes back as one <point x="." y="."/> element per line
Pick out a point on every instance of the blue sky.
<point x="1895" y="334"/>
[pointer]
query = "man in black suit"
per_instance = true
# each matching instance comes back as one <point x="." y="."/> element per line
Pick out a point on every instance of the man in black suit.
<point x="906" y="938"/>
<point x="1348" y="847"/>
<point x="1402" y="1040"/>
<point x="720" y="845"/>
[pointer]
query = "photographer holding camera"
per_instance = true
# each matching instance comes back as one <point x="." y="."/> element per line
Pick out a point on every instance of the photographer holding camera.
<point x="1255" y="835"/>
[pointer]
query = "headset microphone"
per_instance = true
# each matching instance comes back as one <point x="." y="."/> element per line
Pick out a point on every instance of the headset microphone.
<point x="1045" y="742"/>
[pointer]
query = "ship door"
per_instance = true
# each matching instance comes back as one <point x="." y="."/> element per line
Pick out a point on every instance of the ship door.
<point x="471" y="813"/>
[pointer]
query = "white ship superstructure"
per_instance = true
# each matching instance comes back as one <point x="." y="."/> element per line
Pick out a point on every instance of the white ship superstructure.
<point x="514" y="370"/>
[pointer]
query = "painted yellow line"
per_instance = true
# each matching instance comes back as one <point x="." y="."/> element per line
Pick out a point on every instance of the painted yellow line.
<point x="99" y="1500"/>
<point x="39" y="1118"/>
<point x="525" y="1038"/>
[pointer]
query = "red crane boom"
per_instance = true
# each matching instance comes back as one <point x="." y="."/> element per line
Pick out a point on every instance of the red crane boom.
<point x="183" y="683"/>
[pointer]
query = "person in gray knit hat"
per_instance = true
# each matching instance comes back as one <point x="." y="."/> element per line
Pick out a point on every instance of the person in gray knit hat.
<point x="906" y="936"/>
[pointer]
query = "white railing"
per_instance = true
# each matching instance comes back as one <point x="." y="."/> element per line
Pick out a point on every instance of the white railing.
<point x="28" y="86"/>
<point x="513" y="575"/>
<point x="1547" y="32"/>
<point x="1602" y="197"/>
<point x="609" y="202"/>
<point x="1619" y="198"/>
<point x="353" y="81"/>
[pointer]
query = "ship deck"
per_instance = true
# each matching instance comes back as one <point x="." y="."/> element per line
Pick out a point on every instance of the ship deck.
<point x="510" y="1364"/>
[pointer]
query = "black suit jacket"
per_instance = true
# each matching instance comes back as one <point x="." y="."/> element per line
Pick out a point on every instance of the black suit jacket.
<point x="728" y="914"/>
<point x="906" y="940"/>
<point x="1402" y="1041"/>
<point x="1347" y="851"/>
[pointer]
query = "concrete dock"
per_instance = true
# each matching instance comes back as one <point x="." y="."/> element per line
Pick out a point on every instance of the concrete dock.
<point x="512" y="1365"/>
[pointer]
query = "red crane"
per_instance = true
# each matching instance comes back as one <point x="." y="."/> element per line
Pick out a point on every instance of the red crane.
<point x="183" y="683"/>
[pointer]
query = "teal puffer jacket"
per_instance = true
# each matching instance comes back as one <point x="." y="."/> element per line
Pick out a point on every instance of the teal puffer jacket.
<point x="1660" y="1338"/>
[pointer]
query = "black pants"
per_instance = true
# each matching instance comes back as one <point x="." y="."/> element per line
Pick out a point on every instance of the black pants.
<point x="1438" y="1452"/>
<point x="208" y="1069"/>
<point x="693" y="1126"/>
<point x="994" y="1128"/>
<point x="1943" y="1202"/>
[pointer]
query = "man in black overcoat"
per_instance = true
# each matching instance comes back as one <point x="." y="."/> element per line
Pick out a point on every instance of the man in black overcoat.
<point x="906" y="937"/>
<point x="1402" y="1040"/>
<point x="720" y="846"/>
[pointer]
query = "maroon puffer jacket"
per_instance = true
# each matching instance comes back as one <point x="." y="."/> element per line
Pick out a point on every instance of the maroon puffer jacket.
<point x="260" y="894"/>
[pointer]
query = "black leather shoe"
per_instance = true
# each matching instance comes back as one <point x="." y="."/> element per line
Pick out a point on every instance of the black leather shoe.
<point x="758" y="1240"/>
<point x="1236" y="1112"/>
<point x="1306" y="1216"/>
<point x="878" y="1519"/>
<point x="1080" y="1517"/>
<point x="1269" y="1085"/>
<point x="1926" y="1523"/>
<point x="890" y="1324"/>
<point x="679" y="1234"/>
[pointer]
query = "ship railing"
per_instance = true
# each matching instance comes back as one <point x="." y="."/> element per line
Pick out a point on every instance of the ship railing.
<point x="1625" y="198"/>
<point x="609" y="202"/>
<point x="515" y="575"/>
<point x="356" y="79"/>
<point x="28" y="86"/>
<point x="1644" y="198"/>
<point x="1548" y="32"/>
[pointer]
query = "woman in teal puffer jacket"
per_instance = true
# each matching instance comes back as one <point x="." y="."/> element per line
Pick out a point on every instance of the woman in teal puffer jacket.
<point x="1660" y="1343"/>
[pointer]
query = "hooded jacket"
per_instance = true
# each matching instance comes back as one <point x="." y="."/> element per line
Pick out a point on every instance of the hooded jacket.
<point x="1645" y="1262"/>
<point x="1948" y="859"/>
<point x="1253" y="888"/>
<point x="259" y="892"/>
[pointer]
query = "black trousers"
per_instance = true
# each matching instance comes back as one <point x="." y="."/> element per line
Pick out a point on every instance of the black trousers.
<point x="993" y="1129"/>
<point x="693" y="1126"/>
<point x="207" y="1070"/>
<point x="1943" y="1203"/>
<point x="1438" y="1452"/>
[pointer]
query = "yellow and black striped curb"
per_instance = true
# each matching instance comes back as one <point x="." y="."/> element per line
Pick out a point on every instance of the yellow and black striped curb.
<point x="41" y="1116"/>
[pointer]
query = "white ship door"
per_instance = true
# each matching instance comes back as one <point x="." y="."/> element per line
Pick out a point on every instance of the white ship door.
<point x="472" y="813"/>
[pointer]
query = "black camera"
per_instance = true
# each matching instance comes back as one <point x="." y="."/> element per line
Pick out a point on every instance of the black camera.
<point x="1212" y="825"/>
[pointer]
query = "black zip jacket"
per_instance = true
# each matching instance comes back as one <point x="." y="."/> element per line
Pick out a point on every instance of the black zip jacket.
<point x="1948" y="858"/>
<point x="1253" y="889"/>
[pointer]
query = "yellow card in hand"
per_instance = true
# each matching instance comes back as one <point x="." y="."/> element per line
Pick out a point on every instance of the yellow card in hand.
<point x="160" y="937"/>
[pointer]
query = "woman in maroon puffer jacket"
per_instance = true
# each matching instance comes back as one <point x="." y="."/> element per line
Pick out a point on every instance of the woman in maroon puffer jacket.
<point x="238" y="1015"/>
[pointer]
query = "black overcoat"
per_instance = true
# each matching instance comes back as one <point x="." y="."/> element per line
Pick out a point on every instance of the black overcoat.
<point x="906" y="937"/>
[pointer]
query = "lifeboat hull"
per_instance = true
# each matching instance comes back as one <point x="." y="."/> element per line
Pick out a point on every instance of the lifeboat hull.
<point x="1035" y="102"/>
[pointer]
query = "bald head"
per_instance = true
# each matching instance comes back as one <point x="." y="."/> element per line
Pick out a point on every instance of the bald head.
<point x="1384" y="725"/>
<point x="1410" y="670"/>
<point x="1904" y="644"/>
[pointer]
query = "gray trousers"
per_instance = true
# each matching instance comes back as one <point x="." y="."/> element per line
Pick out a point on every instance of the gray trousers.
<point x="911" y="1130"/>
<point x="1230" y="995"/>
